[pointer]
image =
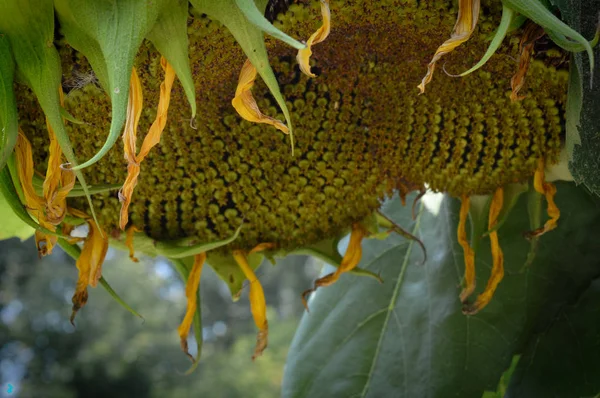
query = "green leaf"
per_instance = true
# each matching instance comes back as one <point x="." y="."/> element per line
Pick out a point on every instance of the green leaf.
<point x="9" y="128"/>
<point x="170" y="38"/>
<point x="12" y="226"/>
<point x="506" y="22"/>
<point x="74" y="251"/>
<point x="109" y="33"/>
<point x="562" y="357"/>
<point x="409" y="338"/>
<point x="188" y="247"/>
<point x="583" y="102"/>
<point x="29" y="26"/>
<point x="250" y="38"/>
<point x="257" y="18"/>
<point x="504" y="380"/>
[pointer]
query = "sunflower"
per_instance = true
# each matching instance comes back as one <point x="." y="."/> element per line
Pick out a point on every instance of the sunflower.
<point x="357" y="100"/>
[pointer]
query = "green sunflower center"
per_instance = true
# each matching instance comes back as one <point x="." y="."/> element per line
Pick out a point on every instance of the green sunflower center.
<point x="361" y="128"/>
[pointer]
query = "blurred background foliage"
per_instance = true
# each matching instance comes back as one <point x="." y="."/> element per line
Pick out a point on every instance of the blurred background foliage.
<point x="110" y="352"/>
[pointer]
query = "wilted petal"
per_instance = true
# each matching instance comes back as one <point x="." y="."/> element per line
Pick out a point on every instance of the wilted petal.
<point x="58" y="182"/>
<point x="258" y="304"/>
<point x="89" y="262"/>
<point x="321" y="34"/>
<point x="349" y="262"/>
<point x="244" y="102"/>
<point x="497" y="256"/>
<point x="34" y="204"/>
<point x="152" y="138"/>
<point x="134" y="111"/>
<point x="531" y="34"/>
<point x="191" y="292"/>
<point x="468" y="14"/>
<point x="548" y="190"/>
<point x="468" y="251"/>
<point x="129" y="242"/>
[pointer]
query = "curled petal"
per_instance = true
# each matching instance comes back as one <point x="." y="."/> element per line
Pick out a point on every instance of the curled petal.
<point x="244" y="102"/>
<point x="548" y="190"/>
<point x="58" y="182"/>
<point x="348" y="263"/>
<point x="468" y="14"/>
<point x="134" y="109"/>
<point x="531" y="34"/>
<point x="155" y="131"/>
<point x="467" y="249"/>
<point x="89" y="262"/>
<point x="191" y="293"/>
<point x="320" y="35"/>
<point x="258" y="304"/>
<point x="497" y="256"/>
<point x="129" y="242"/>
<point x="34" y="204"/>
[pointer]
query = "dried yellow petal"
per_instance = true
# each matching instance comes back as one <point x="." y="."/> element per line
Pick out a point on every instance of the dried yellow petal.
<point x="531" y="34"/>
<point x="321" y="34"/>
<point x="244" y="102"/>
<point x="191" y="292"/>
<point x="89" y="263"/>
<point x="34" y="204"/>
<point x="548" y="190"/>
<point x="258" y="304"/>
<point x="129" y="242"/>
<point x="349" y="262"/>
<point x="468" y="14"/>
<point x="468" y="251"/>
<point x="58" y="182"/>
<point x="497" y="256"/>
<point x="134" y="110"/>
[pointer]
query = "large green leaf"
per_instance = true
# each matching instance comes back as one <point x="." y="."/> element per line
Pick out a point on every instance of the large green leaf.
<point x="409" y="338"/>
<point x="562" y="359"/>
<point x="583" y="118"/>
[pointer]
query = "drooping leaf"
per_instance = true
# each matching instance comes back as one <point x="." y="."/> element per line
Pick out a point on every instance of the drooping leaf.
<point x="29" y="26"/>
<point x="8" y="107"/>
<point x="583" y="102"/>
<point x="109" y="33"/>
<point x="251" y="39"/>
<point x="409" y="338"/>
<point x="169" y="36"/>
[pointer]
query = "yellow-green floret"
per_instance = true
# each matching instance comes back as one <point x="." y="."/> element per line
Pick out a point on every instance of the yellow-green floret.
<point x="361" y="127"/>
